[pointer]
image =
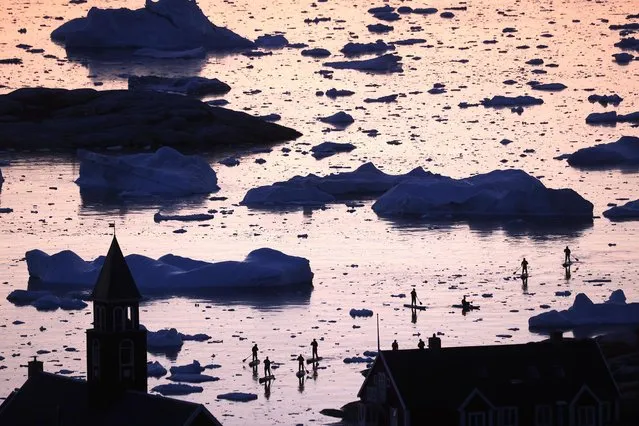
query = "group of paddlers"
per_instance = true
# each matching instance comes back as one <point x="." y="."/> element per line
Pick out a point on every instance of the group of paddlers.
<point x="268" y="362"/>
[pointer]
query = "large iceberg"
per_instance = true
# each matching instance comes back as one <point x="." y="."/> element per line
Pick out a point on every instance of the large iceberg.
<point x="263" y="268"/>
<point x="366" y="180"/>
<point x="583" y="312"/>
<point x="165" y="172"/>
<point x="623" y="152"/>
<point x="166" y="25"/>
<point x="495" y="195"/>
<point x="630" y="210"/>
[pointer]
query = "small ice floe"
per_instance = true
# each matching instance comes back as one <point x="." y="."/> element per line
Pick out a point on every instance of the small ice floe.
<point x="382" y="99"/>
<point x="505" y="194"/>
<point x="192" y="378"/>
<point x="162" y="24"/>
<point x="165" y="172"/>
<point x="606" y="99"/>
<point x="149" y="52"/>
<point x="198" y="337"/>
<point x="192" y="86"/>
<point x="379" y="28"/>
<point x="630" y="210"/>
<point x="358" y="360"/>
<point x="166" y="339"/>
<point x="535" y="61"/>
<point x="614" y="311"/>
<point x="387" y="63"/>
<point x="360" y="313"/>
<point x="155" y="369"/>
<point x="196" y="217"/>
<point x="629" y="43"/>
<point x="256" y="53"/>
<point x="327" y="149"/>
<point x="565" y="293"/>
<point x="425" y="10"/>
<point x="334" y="93"/>
<point x="238" y="396"/>
<point x="623" y="58"/>
<point x="549" y="87"/>
<point x="270" y="117"/>
<point x="611" y="117"/>
<point x="507" y="101"/>
<point x="317" y="52"/>
<point x="230" y="161"/>
<point x="262" y="268"/>
<point x="505" y="142"/>
<point x="447" y="15"/>
<point x="6" y="210"/>
<point x="268" y="41"/>
<point x="192" y="368"/>
<point x="400" y="295"/>
<point x="340" y="119"/>
<point x="352" y="49"/>
<point x="408" y="41"/>
<point x="176" y="389"/>
<point x="44" y="300"/>
<point x="623" y="152"/>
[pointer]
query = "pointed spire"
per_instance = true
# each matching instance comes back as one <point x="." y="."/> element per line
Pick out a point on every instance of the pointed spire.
<point x="115" y="283"/>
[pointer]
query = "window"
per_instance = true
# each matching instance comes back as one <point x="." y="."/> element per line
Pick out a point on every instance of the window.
<point x="118" y="318"/>
<point x="586" y="416"/>
<point x="477" y="419"/>
<point x="543" y="415"/>
<point x="95" y="358"/>
<point x="508" y="416"/>
<point x="380" y="385"/>
<point x="126" y="360"/>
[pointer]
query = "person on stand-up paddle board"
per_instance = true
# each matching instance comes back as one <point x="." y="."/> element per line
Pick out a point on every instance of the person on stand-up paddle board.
<point x="413" y="297"/>
<point x="254" y="351"/>
<point x="314" y="347"/>
<point x="300" y="360"/>
<point x="267" y="367"/>
<point x="395" y="345"/>
<point x="524" y="267"/>
<point x="465" y="303"/>
<point x="567" y="255"/>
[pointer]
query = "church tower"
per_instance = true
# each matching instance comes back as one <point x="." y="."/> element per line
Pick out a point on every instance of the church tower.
<point x="116" y="345"/>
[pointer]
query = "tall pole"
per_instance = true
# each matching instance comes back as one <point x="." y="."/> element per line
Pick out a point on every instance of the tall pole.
<point x="378" y="345"/>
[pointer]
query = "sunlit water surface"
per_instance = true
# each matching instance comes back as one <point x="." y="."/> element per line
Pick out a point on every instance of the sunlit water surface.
<point x="359" y="260"/>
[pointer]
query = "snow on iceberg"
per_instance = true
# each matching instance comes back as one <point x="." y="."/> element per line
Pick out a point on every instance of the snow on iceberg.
<point x="630" y="210"/>
<point x="168" y="25"/>
<point x="366" y="180"/>
<point x="387" y="63"/>
<point x="495" y="195"/>
<point x="327" y="149"/>
<point x="170" y="274"/>
<point x="192" y="86"/>
<point x="165" y="172"/>
<point x="623" y="152"/>
<point x="615" y="311"/>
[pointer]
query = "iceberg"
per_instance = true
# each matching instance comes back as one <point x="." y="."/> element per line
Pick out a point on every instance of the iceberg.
<point x="338" y="119"/>
<point x="192" y="368"/>
<point x="45" y="300"/>
<point x="165" y="172"/>
<point x="583" y="312"/>
<point x="327" y="149"/>
<point x="623" y="152"/>
<point x="268" y="41"/>
<point x="263" y="268"/>
<point x="495" y="195"/>
<point x="192" y="378"/>
<point x="176" y="389"/>
<point x="192" y="86"/>
<point x="365" y="181"/>
<point x="630" y="210"/>
<point x="155" y="369"/>
<point x="168" y="25"/>
<point x="166" y="339"/>
<point x="507" y="101"/>
<point x="238" y="396"/>
<point x="387" y="63"/>
<point x="353" y="49"/>
<point x="611" y="117"/>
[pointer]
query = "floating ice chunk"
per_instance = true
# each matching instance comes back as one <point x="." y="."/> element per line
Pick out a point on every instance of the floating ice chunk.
<point x="198" y="217"/>
<point x="584" y="312"/>
<point x="194" y="86"/>
<point x="409" y="41"/>
<point x="351" y="49"/>
<point x="147" y="52"/>
<point x="360" y="313"/>
<point x="270" y="117"/>
<point x="506" y="101"/>
<point x="164" y="339"/>
<point x="170" y="274"/>
<point x="358" y="360"/>
<point x="381" y="9"/>
<point x="165" y="172"/>
<point x="230" y="161"/>
<point x="495" y="195"/>
<point x="6" y="210"/>
<point x="630" y="210"/>
<point x="192" y="378"/>
<point x="549" y="87"/>
<point x="327" y="149"/>
<point x="565" y="293"/>
<point x="334" y="93"/>
<point x="51" y="302"/>
<point x="379" y="28"/>
<point x="623" y="152"/>
<point x="425" y="10"/>
<point x="382" y="99"/>
<point x="629" y="43"/>
<point x="176" y="389"/>
<point x="317" y="52"/>
<point x="25" y="297"/>
<point x="238" y="396"/>
<point x="155" y="369"/>
<point x="162" y="25"/>
<point x="192" y="368"/>
<point x="286" y="195"/>
<point x="623" y="58"/>
<point x="387" y="63"/>
<point x="268" y="41"/>
<point x="340" y="118"/>
<point x="611" y="117"/>
<point x="606" y="99"/>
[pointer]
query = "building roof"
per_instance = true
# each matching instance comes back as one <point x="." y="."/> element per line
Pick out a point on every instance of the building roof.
<point x="505" y="374"/>
<point x="115" y="283"/>
<point x="49" y="399"/>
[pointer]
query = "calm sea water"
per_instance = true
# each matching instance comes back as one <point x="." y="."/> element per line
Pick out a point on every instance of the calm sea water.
<point x="359" y="260"/>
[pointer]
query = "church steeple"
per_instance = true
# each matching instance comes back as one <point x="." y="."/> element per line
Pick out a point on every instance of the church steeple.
<point x="116" y="345"/>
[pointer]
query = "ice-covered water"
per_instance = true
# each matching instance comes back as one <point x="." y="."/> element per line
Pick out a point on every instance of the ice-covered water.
<point x="359" y="260"/>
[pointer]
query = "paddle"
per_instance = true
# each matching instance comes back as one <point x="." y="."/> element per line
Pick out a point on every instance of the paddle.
<point x="244" y="360"/>
<point x="420" y="302"/>
<point x="514" y="273"/>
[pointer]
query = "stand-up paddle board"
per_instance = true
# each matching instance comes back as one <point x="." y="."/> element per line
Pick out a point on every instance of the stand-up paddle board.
<point x="468" y="308"/>
<point x="314" y="360"/>
<point x="300" y="374"/>
<point x="420" y="307"/>
<point x="524" y="276"/>
<point x="266" y="378"/>
<point x="566" y="264"/>
<point x="254" y="363"/>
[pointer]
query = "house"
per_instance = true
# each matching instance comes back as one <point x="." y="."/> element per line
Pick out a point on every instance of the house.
<point x="115" y="391"/>
<point x="555" y="382"/>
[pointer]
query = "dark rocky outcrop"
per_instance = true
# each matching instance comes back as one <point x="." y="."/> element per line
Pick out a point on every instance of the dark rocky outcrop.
<point x="36" y="118"/>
